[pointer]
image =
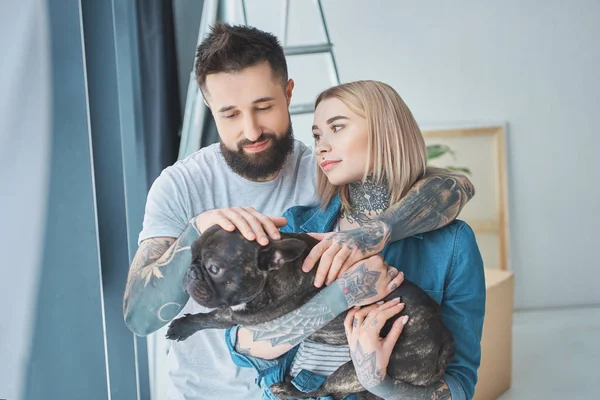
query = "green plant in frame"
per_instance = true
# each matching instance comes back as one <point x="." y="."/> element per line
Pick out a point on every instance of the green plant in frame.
<point x="438" y="150"/>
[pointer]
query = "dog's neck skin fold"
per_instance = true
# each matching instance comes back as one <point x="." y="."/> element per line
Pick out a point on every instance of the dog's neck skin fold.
<point x="368" y="199"/>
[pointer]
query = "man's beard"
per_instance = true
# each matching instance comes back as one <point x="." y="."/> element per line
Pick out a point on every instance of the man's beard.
<point x="263" y="164"/>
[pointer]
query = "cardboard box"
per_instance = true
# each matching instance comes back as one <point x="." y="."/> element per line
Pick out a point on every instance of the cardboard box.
<point x="496" y="342"/>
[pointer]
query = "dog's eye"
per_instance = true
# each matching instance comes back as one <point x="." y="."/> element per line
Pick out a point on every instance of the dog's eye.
<point x="213" y="269"/>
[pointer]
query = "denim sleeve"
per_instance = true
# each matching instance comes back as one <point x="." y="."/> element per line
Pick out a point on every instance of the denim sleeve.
<point x="463" y="308"/>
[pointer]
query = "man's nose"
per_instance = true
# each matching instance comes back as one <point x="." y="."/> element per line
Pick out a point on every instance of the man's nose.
<point x="252" y="130"/>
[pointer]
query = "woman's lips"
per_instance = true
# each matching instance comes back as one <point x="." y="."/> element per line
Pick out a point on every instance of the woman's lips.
<point x="327" y="165"/>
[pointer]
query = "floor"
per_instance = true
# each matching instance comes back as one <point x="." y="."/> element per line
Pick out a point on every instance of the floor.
<point x="556" y="355"/>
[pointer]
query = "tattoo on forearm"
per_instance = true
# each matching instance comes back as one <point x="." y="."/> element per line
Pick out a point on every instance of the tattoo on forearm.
<point x="296" y="326"/>
<point x="369" y="375"/>
<point x="359" y="284"/>
<point x="368" y="239"/>
<point x="159" y="263"/>
<point x="432" y="202"/>
<point x="246" y="352"/>
<point x="142" y="266"/>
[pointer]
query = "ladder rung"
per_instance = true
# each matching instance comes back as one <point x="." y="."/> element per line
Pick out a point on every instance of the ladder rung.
<point x="307" y="49"/>
<point x="296" y="109"/>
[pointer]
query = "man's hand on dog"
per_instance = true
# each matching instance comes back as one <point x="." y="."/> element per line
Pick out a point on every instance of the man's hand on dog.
<point x="338" y="251"/>
<point x="251" y="224"/>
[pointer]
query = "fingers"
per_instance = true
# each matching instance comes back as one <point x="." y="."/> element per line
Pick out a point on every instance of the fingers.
<point x="240" y="222"/>
<point x="380" y="317"/>
<point x="361" y="314"/>
<point x="318" y="236"/>
<point x="223" y="221"/>
<point x="279" y="221"/>
<point x="314" y="255"/>
<point x="348" y="263"/>
<point x="348" y="320"/>
<point x="377" y="316"/>
<point x="252" y="224"/>
<point x="394" y="333"/>
<point x="336" y="266"/>
<point x="256" y="220"/>
<point x="325" y="262"/>
<point x="397" y="277"/>
<point x="263" y="225"/>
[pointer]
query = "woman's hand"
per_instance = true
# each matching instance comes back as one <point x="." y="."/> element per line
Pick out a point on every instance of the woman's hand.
<point x="251" y="224"/>
<point x="338" y="251"/>
<point x="368" y="281"/>
<point x="369" y="352"/>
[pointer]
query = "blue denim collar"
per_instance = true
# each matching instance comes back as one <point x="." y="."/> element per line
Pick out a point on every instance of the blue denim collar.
<point x="324" y="219"/>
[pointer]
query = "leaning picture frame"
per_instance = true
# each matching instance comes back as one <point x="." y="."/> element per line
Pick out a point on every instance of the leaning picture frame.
<point x="479" y="152"/>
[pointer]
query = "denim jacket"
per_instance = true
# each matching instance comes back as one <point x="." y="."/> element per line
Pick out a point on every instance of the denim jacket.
<point x="446" y="263"/>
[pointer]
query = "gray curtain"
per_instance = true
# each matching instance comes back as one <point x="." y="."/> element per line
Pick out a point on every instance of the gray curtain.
<point x="161" y="107"/>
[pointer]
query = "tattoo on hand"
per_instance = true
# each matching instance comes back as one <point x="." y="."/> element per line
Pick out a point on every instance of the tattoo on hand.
<point x="359" y="284"/>
<point x="366" y="367"/>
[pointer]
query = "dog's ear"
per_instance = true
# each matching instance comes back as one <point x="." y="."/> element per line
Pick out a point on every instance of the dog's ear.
<point x="279" y="252"/>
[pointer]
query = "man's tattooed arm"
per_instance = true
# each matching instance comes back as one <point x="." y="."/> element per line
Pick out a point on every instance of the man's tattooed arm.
<point x="375" y="380"/>
<point x="432" y="203"/>
<point x="153" y="294"/>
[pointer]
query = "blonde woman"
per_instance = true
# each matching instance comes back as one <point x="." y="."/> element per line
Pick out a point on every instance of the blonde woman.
<point x="370" y="152"/>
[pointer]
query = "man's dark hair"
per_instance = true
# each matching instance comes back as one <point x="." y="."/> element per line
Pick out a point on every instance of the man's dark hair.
<point x="230" y="48"/>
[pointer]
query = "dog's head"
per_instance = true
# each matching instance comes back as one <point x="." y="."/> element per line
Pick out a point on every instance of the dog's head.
<point x="227" y="270"/>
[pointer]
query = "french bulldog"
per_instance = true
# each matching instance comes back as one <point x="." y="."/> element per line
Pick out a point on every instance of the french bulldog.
<point x="248" y="284"/>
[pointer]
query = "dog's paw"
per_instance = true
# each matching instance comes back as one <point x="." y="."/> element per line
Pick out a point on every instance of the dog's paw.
<point x="180" y="329"/>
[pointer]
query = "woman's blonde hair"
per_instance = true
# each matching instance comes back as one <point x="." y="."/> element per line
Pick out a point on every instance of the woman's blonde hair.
<point x="396" y="148"/>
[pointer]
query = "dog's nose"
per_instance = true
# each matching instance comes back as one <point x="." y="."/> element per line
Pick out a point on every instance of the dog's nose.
<point x="193" y="273"/>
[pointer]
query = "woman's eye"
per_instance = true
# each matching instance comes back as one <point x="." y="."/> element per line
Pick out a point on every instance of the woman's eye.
<point x="213" y="269"/>
<point x="316" y="137"/>
<point x="336" y="128"/>
<point x="230" y="116"/>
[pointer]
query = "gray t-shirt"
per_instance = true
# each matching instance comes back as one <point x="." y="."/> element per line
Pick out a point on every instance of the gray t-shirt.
<point x="201" y="367"/>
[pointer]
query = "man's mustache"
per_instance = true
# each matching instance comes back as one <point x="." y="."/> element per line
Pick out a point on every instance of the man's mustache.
<point x="264" y="136"/>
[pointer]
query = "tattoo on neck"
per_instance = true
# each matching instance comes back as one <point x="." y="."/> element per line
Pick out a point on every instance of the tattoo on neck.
<point x="367" y="199"/>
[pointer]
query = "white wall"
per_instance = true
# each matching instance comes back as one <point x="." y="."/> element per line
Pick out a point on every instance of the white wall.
<point x="532" y="64"/>
<point x="24" y="164"/>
